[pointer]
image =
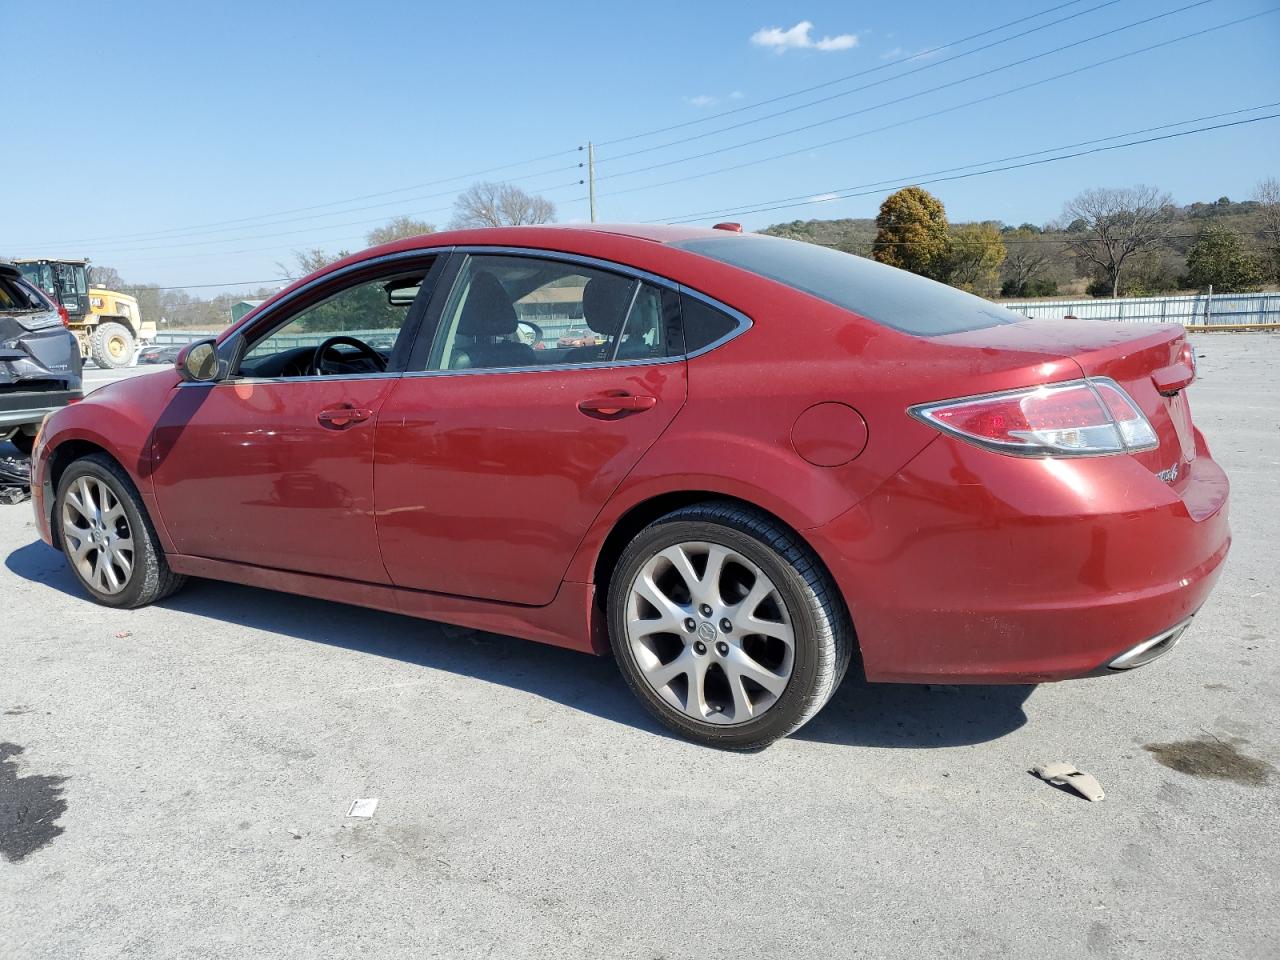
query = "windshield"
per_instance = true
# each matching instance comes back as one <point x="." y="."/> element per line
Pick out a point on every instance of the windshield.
<point x="38" y="275"/>
<point x="887" y="295"/>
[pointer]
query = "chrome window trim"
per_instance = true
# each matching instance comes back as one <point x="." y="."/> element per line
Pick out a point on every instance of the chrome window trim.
<point x="251" y="320"/>
<point x="743" y="322"/>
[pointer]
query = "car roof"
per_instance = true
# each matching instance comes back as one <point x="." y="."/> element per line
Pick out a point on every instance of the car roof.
<point x="534" y="236"/>
<point x="8" y="269"/>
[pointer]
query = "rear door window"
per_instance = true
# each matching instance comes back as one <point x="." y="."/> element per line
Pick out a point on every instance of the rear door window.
<point x="511" y="311"/>
<point x="891" y="297"/>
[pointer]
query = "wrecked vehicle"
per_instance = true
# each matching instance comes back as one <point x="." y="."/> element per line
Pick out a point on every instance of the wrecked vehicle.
<point x="39" y="359"/>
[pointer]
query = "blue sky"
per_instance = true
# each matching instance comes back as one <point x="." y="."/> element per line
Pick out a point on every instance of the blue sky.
<point x="144" y="133"/>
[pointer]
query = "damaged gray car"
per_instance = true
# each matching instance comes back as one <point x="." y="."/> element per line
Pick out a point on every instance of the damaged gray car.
<point x="39" y="359"/>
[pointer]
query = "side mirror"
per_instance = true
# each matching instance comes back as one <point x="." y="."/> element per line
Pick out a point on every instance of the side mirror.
<point x="198" y="362"/>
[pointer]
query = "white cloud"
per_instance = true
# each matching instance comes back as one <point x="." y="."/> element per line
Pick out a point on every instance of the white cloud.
<point x="845" y="41"/>
<point x="893" y="54"/>
<point x="824" y="198"/>
<point x="736" y="95"/>
<point x="703" y="100"/>
<point x="798" y="38"/>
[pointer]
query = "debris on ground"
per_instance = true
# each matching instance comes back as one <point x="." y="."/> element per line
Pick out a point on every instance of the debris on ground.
<point x="363" y="807"/>
<point x="15" y="479"/>
<point x="1062" y="774"/>
<point x="124" y="634"/>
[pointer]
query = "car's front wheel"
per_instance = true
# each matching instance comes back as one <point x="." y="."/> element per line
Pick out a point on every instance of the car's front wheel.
<point x="107" y="538"/>
<point x="726" y="626"/>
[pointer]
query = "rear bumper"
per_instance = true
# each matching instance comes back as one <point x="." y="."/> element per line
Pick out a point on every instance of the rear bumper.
<point x="24" y="407"/>
<point x="974" y="567"/>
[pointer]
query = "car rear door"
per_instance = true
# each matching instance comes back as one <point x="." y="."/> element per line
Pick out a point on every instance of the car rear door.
<point x="494" y="456"/>
<point x="274" y="466"/>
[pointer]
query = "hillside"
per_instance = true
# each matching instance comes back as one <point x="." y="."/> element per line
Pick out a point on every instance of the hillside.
<point x="1157" y="272"/>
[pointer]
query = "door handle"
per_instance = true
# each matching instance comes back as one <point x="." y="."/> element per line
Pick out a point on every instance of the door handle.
<point x="339" y="418"/>
<point x="612" y="406"/>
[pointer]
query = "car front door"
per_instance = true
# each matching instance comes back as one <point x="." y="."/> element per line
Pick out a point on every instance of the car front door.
<point x="273" y="466"/>
<point x="499" y="447"/>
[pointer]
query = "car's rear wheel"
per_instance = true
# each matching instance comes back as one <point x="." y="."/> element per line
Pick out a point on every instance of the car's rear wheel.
<point x="726" y="626"/>
<point x="107" y="538"/>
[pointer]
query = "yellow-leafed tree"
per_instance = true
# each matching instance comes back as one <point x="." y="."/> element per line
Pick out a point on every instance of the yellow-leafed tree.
<point x="912" y="233"/>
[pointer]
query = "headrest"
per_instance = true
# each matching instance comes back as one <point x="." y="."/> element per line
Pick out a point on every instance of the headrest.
<point x="603" y="300"/>
<point x="488" y="311"/>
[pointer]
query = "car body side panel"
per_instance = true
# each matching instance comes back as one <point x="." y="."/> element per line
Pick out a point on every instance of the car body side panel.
<point x="487" y="482"/>
<point x="119" y="418"/>
<point x="564" y="622"/>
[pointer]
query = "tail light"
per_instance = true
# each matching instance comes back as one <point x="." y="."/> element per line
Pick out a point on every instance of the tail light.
<point x="1080" y="418"/>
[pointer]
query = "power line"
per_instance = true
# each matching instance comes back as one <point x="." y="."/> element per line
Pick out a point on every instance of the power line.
<point x="1016" y="156"/>
<point x="368" y="196"/>
<point x="207" y="286"/>
<point x="832" y="195"/>
<point x="944" y="86"/>
<point x="924" y="116"/>
<point x="851" y="76"/>
<point x="189" y="229"/>
<point x="169" y="245"/>
<point x="928" y="66"/>
<point x="314" y="216"/>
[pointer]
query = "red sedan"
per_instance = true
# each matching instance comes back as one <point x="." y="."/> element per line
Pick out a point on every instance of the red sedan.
<point x="780" y="456"/>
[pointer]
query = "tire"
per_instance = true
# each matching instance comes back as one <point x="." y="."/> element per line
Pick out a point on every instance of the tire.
<point x="111" y="345"/>
<point x="25" y="442"/>
<point x="797" y="599"/>
<point x="146" y="578"/>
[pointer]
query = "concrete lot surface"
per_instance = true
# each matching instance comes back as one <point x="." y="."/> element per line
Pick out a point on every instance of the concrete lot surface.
<point x="183" y="773"/>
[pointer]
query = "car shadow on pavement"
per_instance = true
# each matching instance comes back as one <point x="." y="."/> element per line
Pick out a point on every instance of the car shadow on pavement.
<point x="860" y="714"/>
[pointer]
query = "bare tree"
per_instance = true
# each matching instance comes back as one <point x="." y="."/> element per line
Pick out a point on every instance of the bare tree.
<point x="107" y="278"/>
<point x="309" y="261"/>
<point x="1268" y="196"/>
<point x="401" y="228"/>
<point x="1118" y="223"/>
<point x="1027" y="259"/>
<point x="488" y="204"/>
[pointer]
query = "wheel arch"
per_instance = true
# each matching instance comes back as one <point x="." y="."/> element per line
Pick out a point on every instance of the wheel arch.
<point x="639" y="515"/>
<point x="60" y="458"/>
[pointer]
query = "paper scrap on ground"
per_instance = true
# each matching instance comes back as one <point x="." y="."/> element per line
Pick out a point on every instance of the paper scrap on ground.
<point x="1062" y="774"/>
<point x="363" y="807"/>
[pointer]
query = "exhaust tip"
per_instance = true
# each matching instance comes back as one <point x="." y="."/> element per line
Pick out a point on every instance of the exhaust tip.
<point x="1152" y="649"/>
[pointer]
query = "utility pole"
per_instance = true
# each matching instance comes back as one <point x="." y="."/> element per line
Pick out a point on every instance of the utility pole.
<point x="591" y="178"/>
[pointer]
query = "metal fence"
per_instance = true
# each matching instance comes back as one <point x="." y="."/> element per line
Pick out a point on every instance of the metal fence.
<point x="1192" y="310"/>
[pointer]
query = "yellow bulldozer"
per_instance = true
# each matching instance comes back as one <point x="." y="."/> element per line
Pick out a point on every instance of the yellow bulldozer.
<point x="108" y="325"/>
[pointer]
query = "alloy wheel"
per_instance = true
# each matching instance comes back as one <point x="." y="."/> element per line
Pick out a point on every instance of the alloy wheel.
<point x="710" y="632"/>
<point x="95" y="528"/>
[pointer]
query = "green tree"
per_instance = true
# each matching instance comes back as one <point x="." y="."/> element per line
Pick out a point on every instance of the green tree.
<point x="401" y="228"/>
<point x="1218" y="259"/>
<point x="912" y="233"/>
<point x="977" y="251"/>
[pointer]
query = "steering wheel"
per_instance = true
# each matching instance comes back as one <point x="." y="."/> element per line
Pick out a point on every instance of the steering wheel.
<point x="362" y="349"/>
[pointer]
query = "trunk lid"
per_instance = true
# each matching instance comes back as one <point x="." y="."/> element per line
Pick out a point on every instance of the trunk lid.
<point x="1136" y="356"/>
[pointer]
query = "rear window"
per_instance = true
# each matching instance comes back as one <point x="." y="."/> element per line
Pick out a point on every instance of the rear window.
<point x="891" y="297"/>
<point x="14" y="295"/>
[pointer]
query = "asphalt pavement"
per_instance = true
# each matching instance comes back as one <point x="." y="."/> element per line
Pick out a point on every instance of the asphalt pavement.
<point x="175" y="782"/>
